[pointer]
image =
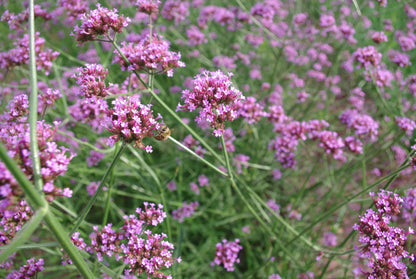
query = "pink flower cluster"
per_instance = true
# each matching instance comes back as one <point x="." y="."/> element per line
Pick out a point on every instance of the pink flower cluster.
<point x="185" y="211"/>
<point x="99" y="22"/>
<point x="226" y="254"/>
<point x="381" y="244"/>
<point x="141" y="255"/>
<point x="20" y="54"/>
<point x="151" y="55"/>
<point x="217" y="100"/>
<point x="29" y="270"/>
<point x="132" y="121"/>
<point x="148" y="6"/>
<point x="90" y="78"/>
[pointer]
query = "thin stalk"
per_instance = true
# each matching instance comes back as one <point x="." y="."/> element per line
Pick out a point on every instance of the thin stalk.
<point x="109" y="192"/>
<point x="99" y="189"/>
<point x="171" y="112"/>
<point x="197" y="156"/>
<point x="85" y="143"/>
<point x="33" y="102"/>
<point x="390" y="177"/>
<point x="36" y="200"/>
<point x="24" y="234"/>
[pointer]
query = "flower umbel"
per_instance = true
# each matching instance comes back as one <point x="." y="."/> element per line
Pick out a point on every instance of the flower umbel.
<point x="132" y="121"/>
<point x="382" y="244"/>
<point x="214" y="95"/>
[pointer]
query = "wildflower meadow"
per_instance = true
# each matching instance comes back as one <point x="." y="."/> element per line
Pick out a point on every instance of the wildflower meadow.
<point x="208" y="139"/>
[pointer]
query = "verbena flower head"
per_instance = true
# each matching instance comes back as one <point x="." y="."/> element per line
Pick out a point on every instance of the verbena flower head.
<point x="382" y="244"/>
<point x="226" y="254"/>
<point x="216" y="98"/>
<point x="151" y="55"/>
<point x="90" y="78"/>
<point x="185" y="211"/>
<point x="99" y="22"/>
<point x="367" y="57"/>
<point x="20" y="54"/>
<point x="139" y="249"/>
<point x="150" y="215"/>
<point x="132" y="121"/>
<point x="29" y="270"/>
<point x="148" y="6"/>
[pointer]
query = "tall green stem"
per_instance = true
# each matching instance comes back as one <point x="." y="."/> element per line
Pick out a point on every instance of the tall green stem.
<point x="37" y="201"/>
<point x="109" y="193"/>
<point x="33" y="101"/>
<point x="87" y="208"/>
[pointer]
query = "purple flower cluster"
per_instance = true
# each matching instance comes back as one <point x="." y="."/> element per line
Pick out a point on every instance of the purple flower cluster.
<point x="363" y="125"/>
<point x="151" y="55"/>
<point x="12" y="217"/>
<point x="150" y="215"/>
<point x="226" y="254"/>
<point x="409" y="206"/>
<point x="367" y="57"/>
<point x="250" y="110"/>
<point x="175" y="10"/>
<point x="290" y="132"/>
<point x="53" y="159"/>
<point x="147" y="254"/>
<point x="90" y="78"/>
<point x="20" y="54"/>
<point x="185" y="211"/>
<point x="218" y="101"/>
<point x="381" y="244"/>
<point x="132" y="121"/>
<point x="29" y="270"/>
<point x="150" y="7"/>
<point x="91" y="111"/>
<point x="99" y="22"/>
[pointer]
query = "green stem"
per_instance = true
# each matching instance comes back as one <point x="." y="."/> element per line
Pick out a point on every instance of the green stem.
<point x="36" y="200"/>
<point x="24" y="234"/>
<point x="109" y="192"/>
<point x="33" y="102"/>
<point x="197" y="156"/>
<point x="85" y="143"/>
<point x="99" y="189"/>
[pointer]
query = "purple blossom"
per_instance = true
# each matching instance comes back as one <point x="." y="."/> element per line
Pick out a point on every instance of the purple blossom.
<point x="329" y="239"/>
<point x="141" y="254"/>
<point x="227" y="254"/>
<point x="151" y="55"/>
<point x="251" y="111"/>
<point x="367" y="56"/>
<point x="99" y="22"/>
<point x="29" y="270"/>
<point x="240" y="160"/>
<point x="132" y="121"/>
<point x="195" y="36"/>
<point x="399" y="58"/>
<point x="150" y="7"/>
<point x="203" y="180"/>
<point x="20" y="54"/>
<point x="91" y="111"/>
<point x="381" y="244"/>
<point x="175" y="10"/>
<point x="150" y="215"/>
<point x="185" y="211"/>
<point x="405" y="124"/>
<point x="362" y="124"/>
<point x="218" y="101"/>
<point x="90" y="78"/>
<point x="379" y="37"/>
